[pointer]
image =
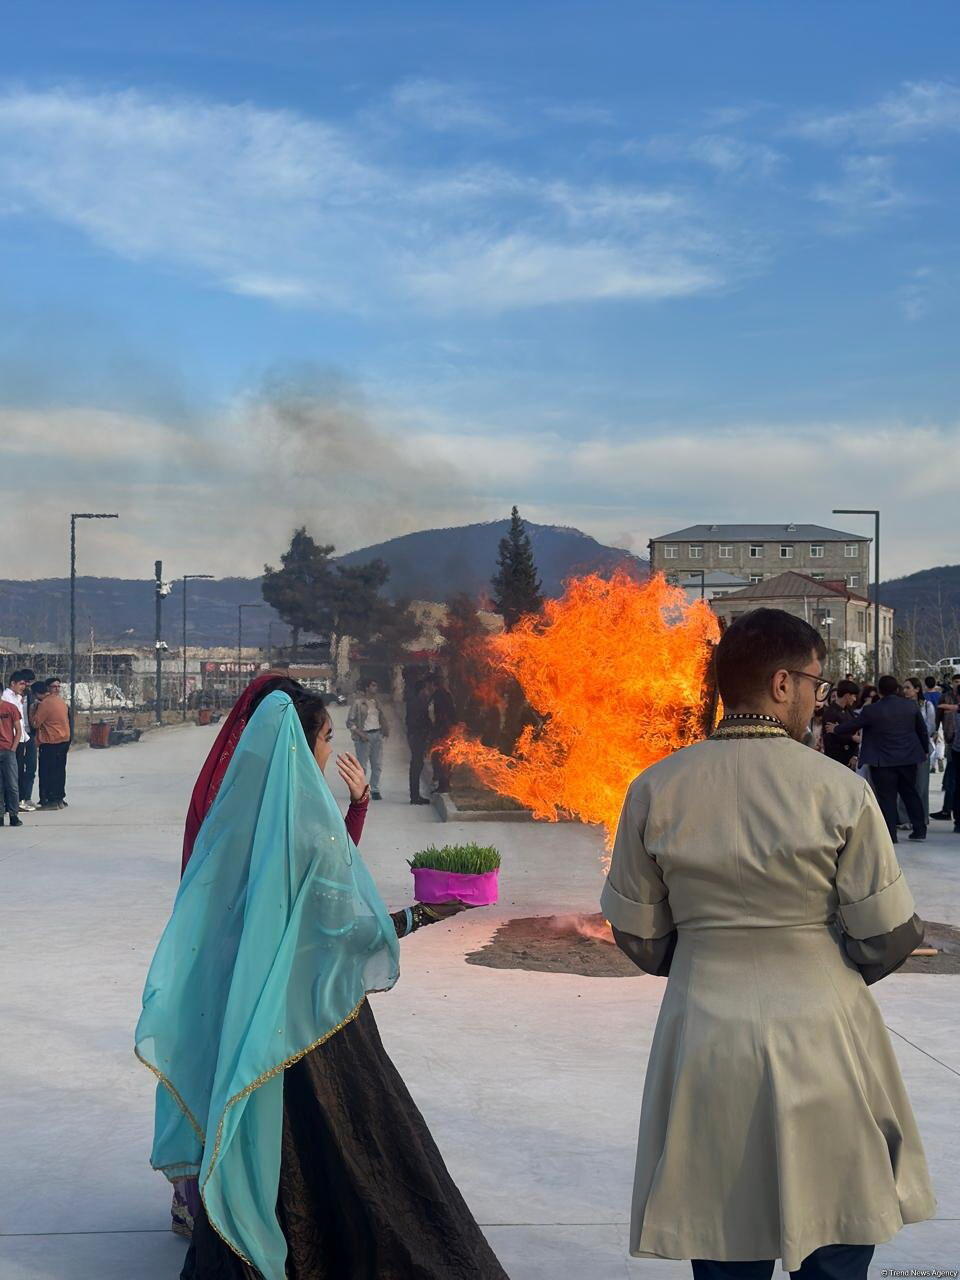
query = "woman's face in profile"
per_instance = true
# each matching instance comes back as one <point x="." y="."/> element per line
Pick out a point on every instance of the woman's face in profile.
<point x="323" y="748"/>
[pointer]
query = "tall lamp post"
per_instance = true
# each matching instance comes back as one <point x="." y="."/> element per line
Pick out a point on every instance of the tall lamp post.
<point x="694" y="573"/>
<point x="240" y="609"/>
<point x="161" y="589"/>
<point x="78" y="515"/>
<point x="870" y="511"/>
<point x="187" y="577"/>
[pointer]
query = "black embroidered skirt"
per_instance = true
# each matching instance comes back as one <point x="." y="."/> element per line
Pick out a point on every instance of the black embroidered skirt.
<point x="364" y="1193"/>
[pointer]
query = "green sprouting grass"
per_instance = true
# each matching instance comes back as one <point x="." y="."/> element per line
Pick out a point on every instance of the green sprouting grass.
<point x="464" y="859"/>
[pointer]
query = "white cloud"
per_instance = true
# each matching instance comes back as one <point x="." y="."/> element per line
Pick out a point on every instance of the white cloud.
<point x="443" y="107"/>
<point x="733" y="156"/>
<point x="724" y="153"/>
<point x="274" y="205"/>
<point x="227" y="498"/>
<point x="515" y="270"/>
<point x="916" y="110"/>
<point x="866" y="186"/>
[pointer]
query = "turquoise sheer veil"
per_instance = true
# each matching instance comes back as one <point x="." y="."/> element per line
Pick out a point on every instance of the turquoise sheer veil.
<point x="277" y="934"/>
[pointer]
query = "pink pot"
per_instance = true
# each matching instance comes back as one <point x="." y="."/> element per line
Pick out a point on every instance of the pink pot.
<point x="451" y="886"/>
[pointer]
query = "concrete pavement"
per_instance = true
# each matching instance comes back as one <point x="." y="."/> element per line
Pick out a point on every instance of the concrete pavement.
<point x="531" y="1082"/>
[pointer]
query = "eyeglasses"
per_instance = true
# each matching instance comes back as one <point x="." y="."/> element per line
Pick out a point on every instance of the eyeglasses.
<point x="823" y="688"/>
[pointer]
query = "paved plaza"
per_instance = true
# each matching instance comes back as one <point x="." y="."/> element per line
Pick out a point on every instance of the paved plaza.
<point x="531" y="1082"/>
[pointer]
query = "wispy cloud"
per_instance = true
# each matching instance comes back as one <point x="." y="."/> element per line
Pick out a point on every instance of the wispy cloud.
<point x="276" y="205"/>
<point x="866" y="187"/>
<point x="918" y="109"/>
<point x="313" y="451"/>
<point x="445" y="108"/>
<point x="725" y="153"/>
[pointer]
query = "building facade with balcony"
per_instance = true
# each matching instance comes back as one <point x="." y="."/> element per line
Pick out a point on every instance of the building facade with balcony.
<point x="843" y="617"/>
<point x="757" y="552"/>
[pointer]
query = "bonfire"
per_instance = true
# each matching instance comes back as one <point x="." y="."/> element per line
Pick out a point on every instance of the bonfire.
<point x="615" y="671"/>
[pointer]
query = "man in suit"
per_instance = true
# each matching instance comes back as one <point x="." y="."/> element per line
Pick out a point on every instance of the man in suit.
<point x="894" y="741"/>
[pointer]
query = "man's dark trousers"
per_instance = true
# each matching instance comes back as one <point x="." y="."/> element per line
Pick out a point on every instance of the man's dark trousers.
<point x="951" y="802"/>
<point x="418" y="754"/>
<point x="26" y="768"/>
<point x="891" y="780"/>
<point x="53" y="771"/>
<point x="831" y="1262"/>
<point x="9" y="791"/>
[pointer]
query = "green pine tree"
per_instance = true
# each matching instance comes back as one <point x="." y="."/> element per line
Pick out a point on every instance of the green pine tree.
<point x="516" y="587"/>
<point x="301" y="586"/>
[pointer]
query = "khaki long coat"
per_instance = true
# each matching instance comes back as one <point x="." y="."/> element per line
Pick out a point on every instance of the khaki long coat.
<point x="774" y="1116"/>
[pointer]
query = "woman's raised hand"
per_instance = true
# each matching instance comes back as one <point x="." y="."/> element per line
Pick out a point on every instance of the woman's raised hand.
<point x="352" y="772"/>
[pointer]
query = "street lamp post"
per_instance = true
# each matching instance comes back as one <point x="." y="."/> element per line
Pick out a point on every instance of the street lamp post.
<point x="240" y="609"/>
<point x="870" y="511"/>
<point x="75" y="516"/>
<point x="187" y="577"/>
<point x="693" y="573"/>
<point x="160" y="590"/>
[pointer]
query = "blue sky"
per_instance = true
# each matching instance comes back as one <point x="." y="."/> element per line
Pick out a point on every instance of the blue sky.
<point x="381" y="267"/>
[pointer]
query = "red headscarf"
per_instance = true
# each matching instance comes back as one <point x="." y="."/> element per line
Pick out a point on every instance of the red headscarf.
<point x="215" y="766"/>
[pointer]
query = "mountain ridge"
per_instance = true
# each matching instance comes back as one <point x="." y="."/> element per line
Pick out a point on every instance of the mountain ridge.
<point x="429" y="564"/>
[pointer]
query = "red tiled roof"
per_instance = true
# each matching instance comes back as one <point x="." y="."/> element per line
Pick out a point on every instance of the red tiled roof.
<point x="792" y="584"/>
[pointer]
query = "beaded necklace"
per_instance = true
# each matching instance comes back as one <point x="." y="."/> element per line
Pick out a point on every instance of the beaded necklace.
<point x="748" y="724"/>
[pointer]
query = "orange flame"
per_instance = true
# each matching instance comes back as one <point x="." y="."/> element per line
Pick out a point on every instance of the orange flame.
<point x="617" y="668"/>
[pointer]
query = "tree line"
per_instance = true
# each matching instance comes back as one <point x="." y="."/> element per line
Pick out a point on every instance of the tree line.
<point x="314" y="594"/>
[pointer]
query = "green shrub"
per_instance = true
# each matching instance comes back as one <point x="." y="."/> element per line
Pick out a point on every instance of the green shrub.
<point x="465" y="859"/>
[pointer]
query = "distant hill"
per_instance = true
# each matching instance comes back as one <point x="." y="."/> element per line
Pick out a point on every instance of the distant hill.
<point x="928" y="602"/>
<point x="431" y="565"/>
<point x="437" y="563"/>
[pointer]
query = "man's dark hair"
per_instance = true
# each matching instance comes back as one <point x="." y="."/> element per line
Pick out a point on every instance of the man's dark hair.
<point x="930" y="682"/>
<point x="40" y="686"/>
<point x="887" y="685"/>
<point x="848" y="686"/>
<point x="758" y="644"/>
<point x="28" y="674"/>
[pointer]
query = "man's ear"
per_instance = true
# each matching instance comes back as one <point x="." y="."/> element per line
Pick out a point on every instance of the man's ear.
<point x="780" y="686"/>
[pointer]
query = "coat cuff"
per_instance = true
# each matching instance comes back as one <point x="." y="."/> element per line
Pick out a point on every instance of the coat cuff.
<point x="642" y="919"/>
<point x="880" y="913"/>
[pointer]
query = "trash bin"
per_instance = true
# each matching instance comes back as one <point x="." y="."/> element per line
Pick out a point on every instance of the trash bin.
<point x="100" y="734"/>
<point x="203" y="715"/>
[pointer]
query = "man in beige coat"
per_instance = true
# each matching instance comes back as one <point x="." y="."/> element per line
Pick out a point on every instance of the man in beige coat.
<point x="760" y="876"/>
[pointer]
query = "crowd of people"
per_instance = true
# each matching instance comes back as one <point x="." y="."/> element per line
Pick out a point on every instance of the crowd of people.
<point x="897" y="736"/>
<point x="34" y="740"/>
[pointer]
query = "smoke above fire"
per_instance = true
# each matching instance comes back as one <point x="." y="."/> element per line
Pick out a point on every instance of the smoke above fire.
<point x="615" y="672"/>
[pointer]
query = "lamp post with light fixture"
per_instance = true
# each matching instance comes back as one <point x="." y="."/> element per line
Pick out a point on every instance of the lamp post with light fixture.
<point x="870" y="511"/>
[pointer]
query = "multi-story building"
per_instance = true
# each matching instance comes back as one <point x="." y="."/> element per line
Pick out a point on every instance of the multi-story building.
<point x="843" y="617"/>
<point x="760" y="551"/>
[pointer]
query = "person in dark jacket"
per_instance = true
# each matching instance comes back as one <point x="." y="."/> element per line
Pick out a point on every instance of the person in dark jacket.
<point x="419" y="733"/>
<point x="840" y="711"/>
<point x="445" y="717"/>
<point x="895" y="740"/>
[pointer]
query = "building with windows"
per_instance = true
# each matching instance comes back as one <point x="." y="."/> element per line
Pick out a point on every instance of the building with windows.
<point x="843" y="617"/>
<point x="757" y="552"/>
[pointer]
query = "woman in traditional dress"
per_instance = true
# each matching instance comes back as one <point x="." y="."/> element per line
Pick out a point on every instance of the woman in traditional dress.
<point x="313" y="1161"/>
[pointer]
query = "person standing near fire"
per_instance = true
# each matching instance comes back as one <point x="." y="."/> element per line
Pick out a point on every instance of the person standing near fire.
<point x="369" y="728"/>
<point x="443" y="714"/>
<point x="761" y="879"/>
